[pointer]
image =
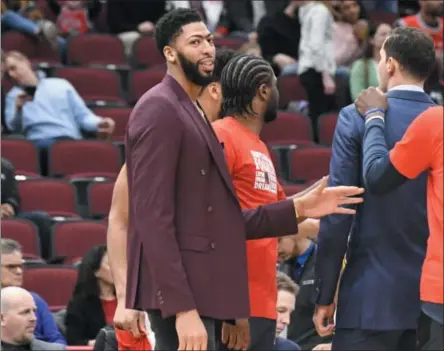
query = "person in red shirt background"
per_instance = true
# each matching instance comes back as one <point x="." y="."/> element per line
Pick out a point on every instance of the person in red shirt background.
<point x="420" y="149"/>
<point x="251" y="99"/>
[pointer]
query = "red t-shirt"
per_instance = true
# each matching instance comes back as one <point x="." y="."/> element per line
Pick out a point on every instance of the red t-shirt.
<point x="109" y="308"/>
<point x="419" y="150"/>
<point x="255" y="182"/>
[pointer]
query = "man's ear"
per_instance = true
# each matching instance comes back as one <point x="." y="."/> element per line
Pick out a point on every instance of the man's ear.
<point x="264" y="92"/>
<point x="215" y="90"/>
<point x="392" y="66"/>
<point x="170" y="54"/>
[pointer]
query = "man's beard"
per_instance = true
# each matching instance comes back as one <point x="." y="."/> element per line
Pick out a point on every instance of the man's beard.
<point x="192" y="73"/>
<point x="272" y="108"/>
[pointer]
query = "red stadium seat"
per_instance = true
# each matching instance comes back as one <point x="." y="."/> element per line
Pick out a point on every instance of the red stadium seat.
<point x="309" y="163"/>
<point x="290" y="89"/>
<point x="145" y="53"/>
<point x="326" y="127"/>
<point x="24" y="232"/>
<point x="74" y="238"/>
<point x="294" y="189"/>
<point x="229" y="43"/>
<point x="84" y="158"/>
<point x="120" y="115"/>
<point x="94" y="48"/>
<point x="142" y="81"/>
<point x="54" y="196"/>
<point x="99" y="198"/>
<point x="22" y="154"/>
<point x="54" y="284"/>
<point x="288" y="128"/>
<point x="95" y="85"/>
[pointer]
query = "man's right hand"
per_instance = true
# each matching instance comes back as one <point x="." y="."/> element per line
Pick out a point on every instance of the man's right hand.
<point x="191" y="331"/>
<point x="22" y="99"/>
<point x="129" y="320"/>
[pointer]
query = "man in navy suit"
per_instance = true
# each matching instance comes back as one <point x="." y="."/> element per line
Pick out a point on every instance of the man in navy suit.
<point x="384" y="244"/>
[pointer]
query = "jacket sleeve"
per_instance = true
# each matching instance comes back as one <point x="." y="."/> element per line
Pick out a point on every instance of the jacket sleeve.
<point x="10" y="193"/>
<point x="48" y="329"/>
<point x="152" y="168"/>
<point x="334" y="229"/>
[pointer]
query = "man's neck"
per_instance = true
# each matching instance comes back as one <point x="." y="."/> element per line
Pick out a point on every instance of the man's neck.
<point x="252" y="123"/>
<point x="405" y="81"/>
<point x="191" y="89"/>
<point x="303" y="246"/>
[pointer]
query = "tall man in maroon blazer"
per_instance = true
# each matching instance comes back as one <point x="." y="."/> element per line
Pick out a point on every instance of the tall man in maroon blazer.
<point x="186" y="245"/>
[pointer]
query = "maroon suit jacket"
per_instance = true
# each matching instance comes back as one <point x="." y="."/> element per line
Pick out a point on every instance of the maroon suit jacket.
<point x="186" y="246"/>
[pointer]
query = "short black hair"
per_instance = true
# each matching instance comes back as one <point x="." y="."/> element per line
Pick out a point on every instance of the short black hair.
<point x="240" y="80"/>
<point x="169" y="26"/>
<point x="413" y="49"/>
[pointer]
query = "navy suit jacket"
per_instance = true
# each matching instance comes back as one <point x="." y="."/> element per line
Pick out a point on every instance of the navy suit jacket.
<point x="379" y="289"/>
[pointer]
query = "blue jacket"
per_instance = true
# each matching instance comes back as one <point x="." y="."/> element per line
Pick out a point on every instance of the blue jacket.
<point x="380" y="284"/>
<point x="46" y="328"/>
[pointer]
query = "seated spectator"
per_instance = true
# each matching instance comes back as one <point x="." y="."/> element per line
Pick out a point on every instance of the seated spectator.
<point x="131" y="19"/>
<point x="46" y="109"/>
<point x="12" y="276"/>
<point x="10" y="207"/>
<point x="364" y="72"/>
<point x="93" y="302"/>
<point x="211" y="10"/>
<point x="382" y="5"/>
<point x="241" y="17"/>
<point x="350" y="31"/>
<point x="73" y="17"/>
<point x="428" y="19"/>
<point x="298" y="258"/>
<point x="278" y="36"/>
<point x="251" y="48"/>
<point x="25" y="17"/>
<point x="286" y="300"/>
<point x="18" y="314"/>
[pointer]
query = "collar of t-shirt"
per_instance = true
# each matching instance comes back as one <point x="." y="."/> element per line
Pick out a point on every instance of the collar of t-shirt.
<point x="6" y="346"/>
<point x="408" y="87"/>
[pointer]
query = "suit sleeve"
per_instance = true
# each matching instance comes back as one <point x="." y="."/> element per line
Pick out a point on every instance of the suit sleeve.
<point x="155" y="140"/>
<point x="334" y="229"/>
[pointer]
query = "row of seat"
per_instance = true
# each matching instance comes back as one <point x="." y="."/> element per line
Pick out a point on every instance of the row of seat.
<point x="82" y="50"/>
<point x="102" y="86"/>
<point x="69" y="240"/>
<point x="79" y="158"/>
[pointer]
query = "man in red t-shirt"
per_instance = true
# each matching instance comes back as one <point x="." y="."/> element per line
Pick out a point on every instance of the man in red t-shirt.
<point x="250" y="100"/>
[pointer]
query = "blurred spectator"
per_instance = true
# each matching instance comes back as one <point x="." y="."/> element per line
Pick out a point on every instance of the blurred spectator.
<point x="46" y="109"/>
<point x="364" y="72"/>
<point x="251" y="48"/>
<point x="316" y="65"/>
<point x="24" y="16"/>
<point x="286" y="300"/>
<point x="10" y="207"/>
<point x="74" y="16"/>
<point x="241" y="17"/>
<point x="428" y="19"/>
<point x="279" y="35"/>
<point x="350" y="31"/>
<point x="18" y="313"/>
<point x="2" y="91"/>
<point x="131" y="19"/>
<point x="93" y="302"/>
<point x="298" y="257"/>
<point x="12" y="275"/>
<point x="211" y="10"/>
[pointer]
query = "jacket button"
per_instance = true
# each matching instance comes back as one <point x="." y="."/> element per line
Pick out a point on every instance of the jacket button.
<point x="213" y="245"/>
<point x="202" y="171"/>
<point x="210" y="209"/>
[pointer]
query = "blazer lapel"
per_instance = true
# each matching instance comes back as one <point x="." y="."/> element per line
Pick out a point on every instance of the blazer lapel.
<point x="205" y="129"/>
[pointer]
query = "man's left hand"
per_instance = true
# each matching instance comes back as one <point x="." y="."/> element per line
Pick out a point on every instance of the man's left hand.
<point x="371" y="98"/>
<point x="106" y="126"/>
<point x="7" y="210"/>
<point x="236" y="337"/>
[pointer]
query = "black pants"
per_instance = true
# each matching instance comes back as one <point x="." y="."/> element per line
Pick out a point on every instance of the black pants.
<point x="430" y="334"/>
<point x="318" y="101"/>
<point x="374" y="340"/>
<point x="262" y="335"/>
<point x="166" y="335"/>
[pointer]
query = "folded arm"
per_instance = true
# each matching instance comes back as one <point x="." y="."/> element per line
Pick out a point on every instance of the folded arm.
<point x="384" y="171"/>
